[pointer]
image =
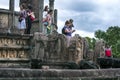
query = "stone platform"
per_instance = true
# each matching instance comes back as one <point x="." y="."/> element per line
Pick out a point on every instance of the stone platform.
<point x="58" y="74"/>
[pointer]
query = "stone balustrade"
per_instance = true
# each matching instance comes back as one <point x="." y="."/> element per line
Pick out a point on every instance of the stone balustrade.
<point x="14" y="48"/>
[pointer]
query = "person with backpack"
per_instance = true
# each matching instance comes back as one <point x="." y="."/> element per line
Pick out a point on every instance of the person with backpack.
<point x="67" y="31"/>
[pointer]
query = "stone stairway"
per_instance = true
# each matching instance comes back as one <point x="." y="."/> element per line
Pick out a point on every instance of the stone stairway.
<point x="58" y="74"/>
<point x="14" y="50"/>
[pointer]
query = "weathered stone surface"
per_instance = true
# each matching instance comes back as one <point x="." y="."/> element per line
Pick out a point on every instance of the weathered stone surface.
<point x="52" y="49"/>
<point x="75" y="50"/>
<point x="54" y="74"/>
<point x="14" y="50"/>
<point x="99" y="51"/>
<point x="6" y="24"/>
<point x="3" y="20"/>
<point x="85" y="48"/>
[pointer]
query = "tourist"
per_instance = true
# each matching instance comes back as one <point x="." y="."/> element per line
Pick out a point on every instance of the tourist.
<point x="108" y="51"/>
<point x="45" y="12"/>
<point x="29" y="19"/>
<point x="68" y="32"/>
<point x="21" y="19"/>
<point x="49" y="21"/>
<point x="45" y="23"/>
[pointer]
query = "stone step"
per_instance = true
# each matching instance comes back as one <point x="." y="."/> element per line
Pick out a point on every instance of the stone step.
<point x="14" y="60"/>
<point x="14" y="63"/>
<point x="16" y="36"/>
<point x="58" y="74"/>
<point x="14" y="47"/>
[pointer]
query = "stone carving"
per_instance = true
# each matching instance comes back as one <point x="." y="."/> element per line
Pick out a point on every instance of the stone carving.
<point x="13" y="47"/>
<point x="39" y="42"/>
<point x="12" y="42"/>
<point x="99" y="51"/>
<point x="76" y="49"/>
<point x="3" y="20"/>
<point x="85" y="48"/>
<point x="52" y="48"/>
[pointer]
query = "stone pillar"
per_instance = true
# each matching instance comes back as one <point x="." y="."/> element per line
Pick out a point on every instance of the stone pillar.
<point x="55" y="16"/>
<point x="51" y="4"/>
<point x="11" y="16"/>
<point x="26" y="1"/>
<point x="41" y="6"/>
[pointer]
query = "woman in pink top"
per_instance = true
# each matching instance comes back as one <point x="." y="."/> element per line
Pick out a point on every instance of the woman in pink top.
<point x="49" y="20"/>
<point x="108" y="51"/>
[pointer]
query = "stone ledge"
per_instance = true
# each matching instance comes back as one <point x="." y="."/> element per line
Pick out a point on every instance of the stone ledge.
<point x="58" y="73"/>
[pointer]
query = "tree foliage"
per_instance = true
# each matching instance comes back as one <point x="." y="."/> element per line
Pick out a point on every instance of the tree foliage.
<point x="100" y="34"/>
<point x="91" y="42"/>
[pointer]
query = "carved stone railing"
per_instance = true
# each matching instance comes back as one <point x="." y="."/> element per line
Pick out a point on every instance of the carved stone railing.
<point x="52" y="50"/>
<point x="14" y="50"/>
<point x="39" y="49"/>
<point x="5" y="22"/>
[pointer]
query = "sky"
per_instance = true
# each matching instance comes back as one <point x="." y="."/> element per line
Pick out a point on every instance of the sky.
<point x="88" y="15"/>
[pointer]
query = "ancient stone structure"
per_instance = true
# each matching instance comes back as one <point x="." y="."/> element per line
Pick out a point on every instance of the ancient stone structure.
<point x="52" y="49"/>
<point x="37" y="50"/>
<point x="48" y="50"/>
<point x="43" y="49"/>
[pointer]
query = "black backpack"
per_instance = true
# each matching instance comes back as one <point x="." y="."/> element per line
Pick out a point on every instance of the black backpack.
<point x="63" y="31"/>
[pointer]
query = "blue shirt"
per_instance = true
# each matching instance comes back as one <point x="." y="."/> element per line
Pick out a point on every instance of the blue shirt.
<point x="68" y="33"/>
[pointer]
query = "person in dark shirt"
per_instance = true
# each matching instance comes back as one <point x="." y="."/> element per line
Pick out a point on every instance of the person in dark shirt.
<point x="28" y="19"/>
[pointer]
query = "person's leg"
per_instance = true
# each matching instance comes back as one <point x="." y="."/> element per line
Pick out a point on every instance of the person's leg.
<point x="29" y="25"/>
<point x="68" y="40"/>
<point x="23" y="26"/>
<point x="45" y="24"/>
<point x="26" y="25"/>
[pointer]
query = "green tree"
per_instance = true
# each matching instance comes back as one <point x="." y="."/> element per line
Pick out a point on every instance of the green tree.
<point x="91" y="42"/>
<point x="100" y="34"/>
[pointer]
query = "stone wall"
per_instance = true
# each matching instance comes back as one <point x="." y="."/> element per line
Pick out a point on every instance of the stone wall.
<point x="4" y="21"/>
